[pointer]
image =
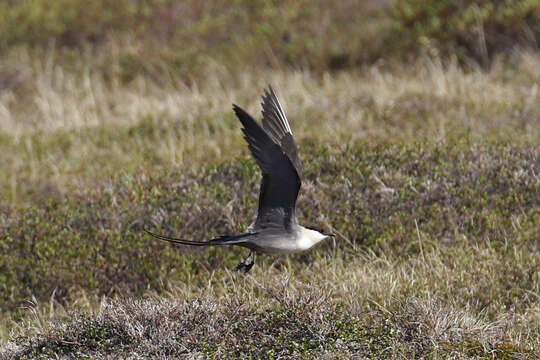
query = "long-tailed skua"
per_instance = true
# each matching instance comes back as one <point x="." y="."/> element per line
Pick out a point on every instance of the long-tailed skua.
<point x="275" y="229"/>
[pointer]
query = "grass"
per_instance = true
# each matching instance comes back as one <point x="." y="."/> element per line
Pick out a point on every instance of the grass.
<point x="59" y="127"/>
<point x="428" y="176"/>
<point x="330" y="307"/>
<point x="468" y="29"/>
<point x="159" y="38"/>
<point x="427" y="170"/>
<point x="407" y="186"/>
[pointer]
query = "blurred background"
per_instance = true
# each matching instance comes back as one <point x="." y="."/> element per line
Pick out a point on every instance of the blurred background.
<point x="126" y="39"/>
<point x="418" y="123"/>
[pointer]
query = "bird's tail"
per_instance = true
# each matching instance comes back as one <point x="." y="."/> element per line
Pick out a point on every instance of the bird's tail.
<point x="222" y="240"/>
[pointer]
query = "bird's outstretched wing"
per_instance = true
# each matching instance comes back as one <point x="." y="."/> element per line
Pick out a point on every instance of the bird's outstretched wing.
<point x="276" y="124"/>
<point x="274" y="150"/>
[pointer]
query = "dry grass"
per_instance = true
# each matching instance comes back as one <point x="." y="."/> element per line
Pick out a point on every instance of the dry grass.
<point x="427" y="169"/>
<point x="428" y="172"/>
<point x="368" y="306"/>
<point x="55" y="119"/>
<point x="56" y="100"/>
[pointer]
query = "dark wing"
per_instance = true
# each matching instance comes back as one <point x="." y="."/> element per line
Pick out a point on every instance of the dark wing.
<point x="276" y="124"/>
<point x="280" y="180"/>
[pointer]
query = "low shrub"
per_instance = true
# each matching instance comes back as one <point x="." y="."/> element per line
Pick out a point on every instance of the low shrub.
<point x="474" y="29"/>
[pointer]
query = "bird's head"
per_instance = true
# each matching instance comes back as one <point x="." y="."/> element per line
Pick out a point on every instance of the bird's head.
<point x="321" y="231"/>
<point x="312" y="236"/>
<point x="323" y="234"/>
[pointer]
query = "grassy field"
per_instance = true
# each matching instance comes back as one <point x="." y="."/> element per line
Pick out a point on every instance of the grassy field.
<point x="426" y="167"/>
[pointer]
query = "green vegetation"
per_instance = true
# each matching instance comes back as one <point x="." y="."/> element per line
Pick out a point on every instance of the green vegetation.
<point x="470" y="29"/>
<point x="398" y="188"/>
<point x="118" y="115"/>
<point x="308" y="329"/>
<point x="156" y="38"/>
<point x="70" y="22"/>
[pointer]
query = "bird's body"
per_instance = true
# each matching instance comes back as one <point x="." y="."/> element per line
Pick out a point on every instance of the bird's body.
<point x="276" y="229"/>
<point x="296" y="240"/>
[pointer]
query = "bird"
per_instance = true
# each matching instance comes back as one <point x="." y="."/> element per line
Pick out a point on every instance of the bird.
<point x="275" y="229"/>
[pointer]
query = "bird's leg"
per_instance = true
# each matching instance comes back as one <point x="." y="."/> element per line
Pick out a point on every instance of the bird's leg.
<point x="248" y="263"/>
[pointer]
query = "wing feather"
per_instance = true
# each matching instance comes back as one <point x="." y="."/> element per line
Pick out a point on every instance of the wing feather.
<point x="280" y="178"/>
<point x="276" y="124"/>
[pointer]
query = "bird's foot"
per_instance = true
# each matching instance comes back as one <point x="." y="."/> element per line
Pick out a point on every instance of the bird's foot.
<point x="247" y="264"/>
<point x="240" y="266"/>
<point x="243" y="267"/>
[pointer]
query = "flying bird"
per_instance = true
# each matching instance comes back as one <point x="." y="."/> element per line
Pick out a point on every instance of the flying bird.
<point x="275" y="229"/>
